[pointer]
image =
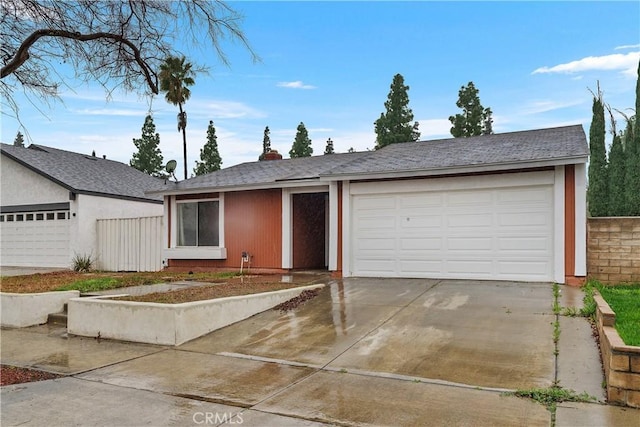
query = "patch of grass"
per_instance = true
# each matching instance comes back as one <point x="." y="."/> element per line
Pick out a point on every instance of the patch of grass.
<point x="570" y="312"/>
<point x="59" y="280"/>
<point x="551" y="396"/>
<point x="624" y="300"/>
<point x="91" y="285"/>
<point x="556" y="298"/>
<point x="589" y="304"/>
<point x="556" y="322"/>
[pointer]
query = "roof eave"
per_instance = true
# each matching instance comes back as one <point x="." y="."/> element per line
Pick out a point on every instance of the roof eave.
<point x="247" y="187"/>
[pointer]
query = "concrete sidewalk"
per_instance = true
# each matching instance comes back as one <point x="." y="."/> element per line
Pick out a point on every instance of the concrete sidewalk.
<point x="373" y="352"/>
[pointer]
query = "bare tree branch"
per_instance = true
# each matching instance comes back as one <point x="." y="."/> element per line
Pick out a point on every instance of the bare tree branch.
<point x="118" y="44"/>
<point x="23" y="52"/>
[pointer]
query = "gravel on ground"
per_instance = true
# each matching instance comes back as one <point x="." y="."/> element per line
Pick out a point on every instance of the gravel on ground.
<point x="14" y="375"/>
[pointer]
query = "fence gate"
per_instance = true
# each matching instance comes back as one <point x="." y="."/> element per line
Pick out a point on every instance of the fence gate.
<point x="130" y="244"/>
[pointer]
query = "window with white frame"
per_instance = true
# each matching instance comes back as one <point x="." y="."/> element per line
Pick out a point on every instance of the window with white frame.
<point x="198" y="223"/>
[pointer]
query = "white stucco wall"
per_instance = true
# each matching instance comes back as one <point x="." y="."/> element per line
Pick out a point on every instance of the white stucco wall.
<point x="21" y="186"/>
<point x="85" y="210"/>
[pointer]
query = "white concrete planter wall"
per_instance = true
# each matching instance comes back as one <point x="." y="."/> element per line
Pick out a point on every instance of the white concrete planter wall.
<point x="21" y="310"/>
<point x="167" y="324"/>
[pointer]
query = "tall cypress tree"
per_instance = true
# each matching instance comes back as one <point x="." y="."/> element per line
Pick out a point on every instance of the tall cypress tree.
<point x="148" y="159"/>
<point x="597" y="196"/>
<point x="19" y="141"/>
<point x="474" y="119"/>
<point x="632" y="154"/>
<point x="266" y="143"/>
<point x="329" y="148"/>
<point x="209" y="154"/>
<point x="302" y="144"/>
<point x="395" y="125"/>
<point x="616" y="172"/>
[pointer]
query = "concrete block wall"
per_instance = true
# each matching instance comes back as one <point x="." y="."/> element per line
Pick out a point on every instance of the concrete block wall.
<point x="621" y="362"/>
<point x="613" y="249"/>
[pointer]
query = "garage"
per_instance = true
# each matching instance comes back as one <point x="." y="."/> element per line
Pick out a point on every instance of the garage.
<point x="496" y="226"/>
<point x="35" y="239"/>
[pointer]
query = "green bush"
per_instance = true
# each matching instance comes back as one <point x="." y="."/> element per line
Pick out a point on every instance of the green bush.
<point x="82" y="263"/>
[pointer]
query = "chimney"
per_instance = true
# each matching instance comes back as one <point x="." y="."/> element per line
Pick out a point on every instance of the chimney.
<point x="272" y="155"/>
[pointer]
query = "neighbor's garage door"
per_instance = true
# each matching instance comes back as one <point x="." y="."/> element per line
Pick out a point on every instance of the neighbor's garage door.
<point x="486" y="227"/>
<point x="35" y="239"/>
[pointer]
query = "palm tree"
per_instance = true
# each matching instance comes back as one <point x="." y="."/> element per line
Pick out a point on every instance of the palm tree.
<point x="176" y="76"/>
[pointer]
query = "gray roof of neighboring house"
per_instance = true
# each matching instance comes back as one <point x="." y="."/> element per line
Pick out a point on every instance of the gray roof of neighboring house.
<point x="497" y="151"/>
<point x="85" y="174"/>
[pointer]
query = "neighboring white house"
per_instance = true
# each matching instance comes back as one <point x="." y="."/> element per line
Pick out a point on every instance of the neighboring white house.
<point x="50" y="200"/>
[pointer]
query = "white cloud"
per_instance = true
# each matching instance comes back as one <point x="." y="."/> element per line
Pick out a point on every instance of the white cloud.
<point x="543" y="106"/>
<point x="108" y="112"/>
<point x="627" y="46"/>
<point x="298" y="84"/>
<point x="434" y="128"/>
<point x="627" y="63"/>
<point x="220" y="109"/>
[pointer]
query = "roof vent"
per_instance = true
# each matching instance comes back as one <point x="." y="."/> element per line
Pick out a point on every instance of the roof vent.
<point x="272" y="155"/>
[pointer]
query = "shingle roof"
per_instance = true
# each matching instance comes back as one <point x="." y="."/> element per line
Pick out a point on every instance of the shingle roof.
<point x="86" y="174"/>
<point x="498" y="151"/>
<point x="272" y="171"/>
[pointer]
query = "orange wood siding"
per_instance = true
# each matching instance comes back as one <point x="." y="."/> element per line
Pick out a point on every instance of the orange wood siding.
<point x="253" y="223"/>
<point x="569" y="221"/>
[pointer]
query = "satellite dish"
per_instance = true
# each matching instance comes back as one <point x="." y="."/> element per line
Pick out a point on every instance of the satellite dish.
<point x="171" y="166"/>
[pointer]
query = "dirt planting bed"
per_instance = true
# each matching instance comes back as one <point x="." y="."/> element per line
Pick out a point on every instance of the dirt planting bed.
<point x="230" y="287"/>
<point x="48" y="282"/>
<point x="14" y="375"/>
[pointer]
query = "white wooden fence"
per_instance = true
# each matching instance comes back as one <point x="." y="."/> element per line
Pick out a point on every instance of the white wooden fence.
<point x="130" y="244"/>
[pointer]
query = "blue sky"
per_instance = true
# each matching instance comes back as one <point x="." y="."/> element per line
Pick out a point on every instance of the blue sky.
<point x="330" y="64"/>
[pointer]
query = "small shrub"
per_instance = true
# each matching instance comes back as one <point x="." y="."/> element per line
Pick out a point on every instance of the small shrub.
<point x="82" y="263"/>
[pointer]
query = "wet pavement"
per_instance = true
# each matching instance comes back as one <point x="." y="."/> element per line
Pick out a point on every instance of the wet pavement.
<point x="364" y="352"/>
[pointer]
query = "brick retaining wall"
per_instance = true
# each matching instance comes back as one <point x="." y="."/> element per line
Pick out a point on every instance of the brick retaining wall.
<point x="621" y="362"/>
<point x="613" y="249"/>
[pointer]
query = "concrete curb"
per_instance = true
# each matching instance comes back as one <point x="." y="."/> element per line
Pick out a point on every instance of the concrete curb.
<point x="22" y="310"/>
<point x="167" y="324"/>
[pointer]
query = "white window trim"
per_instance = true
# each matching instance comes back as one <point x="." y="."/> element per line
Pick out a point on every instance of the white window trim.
<point x="196" y="252"/>
<point x="580" y="172"/>
<point x="287" y="222"/>
<point x="558" y="232"/>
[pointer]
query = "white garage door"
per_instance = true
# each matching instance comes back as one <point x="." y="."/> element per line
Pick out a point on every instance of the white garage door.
<point x="35" y="239"/>
<point x="474" y="227"/>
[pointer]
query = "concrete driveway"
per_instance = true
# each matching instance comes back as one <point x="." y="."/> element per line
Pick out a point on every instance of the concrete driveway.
<point x="364" y="352"/>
